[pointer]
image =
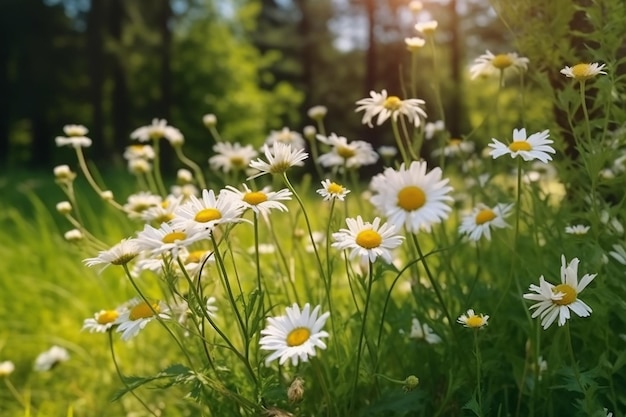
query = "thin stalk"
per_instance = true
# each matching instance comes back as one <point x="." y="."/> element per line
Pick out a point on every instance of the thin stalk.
<point x="85" y="169"/>
<point x="400" y="142"/>
<point x="191" y="164"/>
<point x="156" y="144"/>
<point x="478" y="366"/>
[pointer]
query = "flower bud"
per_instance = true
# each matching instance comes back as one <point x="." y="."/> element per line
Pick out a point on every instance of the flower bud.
<point x="64" y="207"/>
<point x="296" y="390"/>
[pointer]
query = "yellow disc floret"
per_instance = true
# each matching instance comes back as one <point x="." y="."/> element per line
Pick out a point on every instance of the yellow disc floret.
<point x="107" y="316"/>
<point x="345" y="152"/>
<point x="207" y="215"/>
<point x="502" y="61"/>
<point x="368" y="239"/>
<point x="143" y="310"/>
<point x="475" y="321"/>
<point x="569" y="294"/>
<point x="298" y="336"/>
<point x="582" y="71"/>
<point x="173" y="237"/>
<point x="255" y="197"/>
<point x="334" y="188"/>
<point x="411" y="198"/>
<point x="392" y="103"/>
<point x="520" y="145"/>
<point x="484" y="216"/>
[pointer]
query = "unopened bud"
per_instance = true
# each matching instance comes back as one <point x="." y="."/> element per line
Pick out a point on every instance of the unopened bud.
<point x="411" y="382"/>
<point x="73" y="235"/>
<point x="184" y="176"/>
<point x="106" y="195"/>
<point x="64" y="207"/>
<point x="296" y="390"/>
<point x="209" y="120"/>
<point x="63" y="173"/>
<point x="309" y="132"/>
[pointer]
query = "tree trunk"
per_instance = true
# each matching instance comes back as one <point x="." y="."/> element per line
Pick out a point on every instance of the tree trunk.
<point x="95" y="56"/>
<point x="120" y="103"/>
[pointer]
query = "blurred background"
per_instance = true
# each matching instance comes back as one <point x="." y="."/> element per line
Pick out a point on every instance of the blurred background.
<point x="113" y="65"/>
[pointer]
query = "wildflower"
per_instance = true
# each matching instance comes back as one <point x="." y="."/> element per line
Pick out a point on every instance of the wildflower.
<point x="139" y="166"/>
<point x="73" y="235"/>
<point x="64" y="207"/>
<point x="455" y="147"/>
<point x="613" y="224"/>
<point x="473" y="321"/>
<point x="412" y="197"/>
<point x="414" y="44"/>
<point x="262" y="201"/>
<point x="102" y="321"/>
<point x="536" y="146"/>
<point x="295" y="335"/>
<point x="332" y="191"/>
<point x="50" y="358"/>
<point x="431" y="128"/>
<point x="309" y="132"/>
<point x="286" y="136"/>
<point x="184" y="191"/>
<point x="63" y="174"/>
<point x="263" y="249"/>
<point x="296" y="390"/>
<point x="488" y="64"/>
<point x="423" y="331"/>
<point x="75" y="130"/>
<point x="209" y="120"/>
<point x="583" y="72"/>
<point x="231" y="156"/>
<point x="106" y="195"/>
<point x="163" y="212"/>
<point x="141" y="201"/>
<point x="138" y="315"/>
<point x="159" y="129"/>
<point x="354" y="154"/>
<point x="165" y="239"/>
<point x="6" y="368"/>
<point x="482" y="218"/>
<point x="73" y="141"/>
<point x="415" y="6"/>
<point x="204" y="214"/>
<point x="558" y="300"/>
<point x="184" y="176"/>
<point x="578" y="229"/>
<point x="383" y="106"/>
<point x="619" y="254"/>
<point x="410" y="383"/>
<point x="120" y="254"/>
<point x="387" y="152"/>
<point x="317" y="112"/>
<point x="426" y="28"/>
<point x="139" y="151"/>
<point x="280" y="158"/>
<point x="367" y="240"/>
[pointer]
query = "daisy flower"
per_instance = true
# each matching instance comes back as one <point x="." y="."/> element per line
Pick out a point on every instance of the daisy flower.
<point x="317" y="112"/>
<point x="414" y="44"/>
<point x="63" y="174"/>
<point x="159" y="129"/>
<point x="47" y="360"/>
<point x="619" y="254"/>
<point x="332" y="191"/>
<point x="101" y="322"/>
<point x="411" y="197"/>
<point x="455" y="147"/>
<point x="120" y="254"/>
<point x="139" y="166"/>
<point x="583" y="72"/>
<point x="383" y="106"/>
<point x="75" y="130"/>
<point x="578" y="229"/>
<point x="426" y="28"/>
<point x="354" y="154"/>
<point x="143" y="200"/>
<point x="557" y="300"/>
<point x="6" y="368"/>
<point x="472" y="320"/>
<point x="367" y="240"/>
<point x="262" y="201"/>
<point x="432" y="128"/>
<point x="280" y="158"/>
<point x="138" y="315"/>
<point x="164" y="239"/>
<point x="482" y="218"/>
<point x="209" y="120"/>
<point x="295" y="335"/>
<point x="139" y="151"/>
<point x="163" y="212"/>
<point x="231" y="156"/>
<point x="536" y="146"/>
<point x="203" y="214"/>
<point x="489" y="64"/>
<point x="73" y="235"/>
<point x="73" y="141"/>
<point x="286" y="136"/>
<point x="423" y="331"/>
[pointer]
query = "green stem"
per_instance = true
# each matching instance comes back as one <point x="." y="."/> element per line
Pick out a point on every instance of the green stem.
<point x="400" y="142"/>
<point x="478" y="366"/>
<point x="83" y="167"/>
<point x="191" y="164"/>
<point x="17" y="396"/>
<point x="156" y="144"/>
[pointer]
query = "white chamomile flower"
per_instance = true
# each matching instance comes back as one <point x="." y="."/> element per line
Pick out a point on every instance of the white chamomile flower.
<point x="286" y="136"/>
<point x="583" y="71"/>
<point x="368" y="241"/>
<point x="411" y="197"/>
<point x="383" y="106"/>
<point x="6" y="368"/>
<point x="141" y="201"/>
<point x="163" y="212"/>
<point x="482" y="218"/>
<point x="619" y="254"/>
<point x="262" y="201"/>
<point x="489" y="64"/>
<point x="51" y="358"/>
<point x="557" y="300"/>
<point x="414" y="44"/>
<point x="159" y="129"/>
<point x="536" y="146"/>
<point x="139" y="151"/>
<point x="231" y="156"/>
<point x="73" y="141"/>
<point x="138" y="315"/>
<point x="120" y="254"/>
<point x="102" y="321"/>
<point x="280" y="158"/>
<point x="165" y="239"/>
<point x="346" y="154"/>
<point x="578" y="229"/>
<point x="426" y="28"/>
<point x="75" y="130"/>
<point x="295" y="335"/>
<point x="203" y="214"/>
<point x="423" y="331"/>
<point x="332" y="191"/>
<point x="455" y="147"/>
<point x="317" y="112"/>
<point x="472" y="320"/>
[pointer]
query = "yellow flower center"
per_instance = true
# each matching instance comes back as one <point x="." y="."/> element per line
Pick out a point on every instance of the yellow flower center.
<point x="345" y="152"/>
<point x="207" y="215"/>
<point x="334" y="188"/>
<point x="368" y="239"/>
<point x="298" y="336"/>
<point x="569" y="294"/>
<point x="520" y="145"/>
<point x="475" y="321"/>
<point x="143" y="311"/>
<point x="255" y="197"/>
<point x="279" y="167"/>
<point x="107" y="316"/>
<point x="392" y="103"/>
<point x="485" y="216"/>
<point x="455" y="142"/>
<point x="195" y="256"/>
<point x="411" y="198"/>
<point x="236" y="161"/>
<point x="502" y="61"/>
<point x="156" y="134"/>
<point x="581" y="71"/>
<point x="174" y="236"/>
<point x="164" y="218"/>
